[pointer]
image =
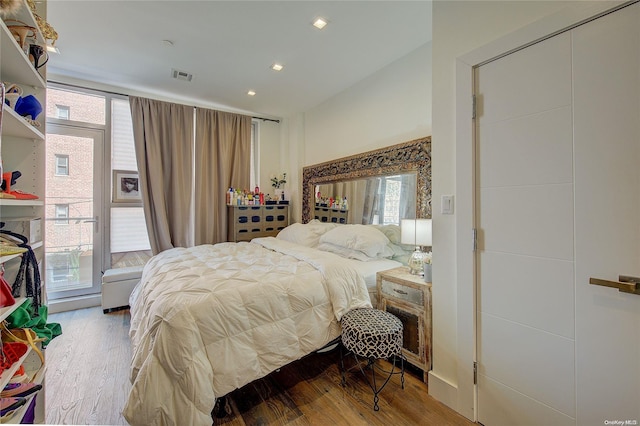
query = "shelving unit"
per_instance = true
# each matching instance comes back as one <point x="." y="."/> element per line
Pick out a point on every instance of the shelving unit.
<point x="23" y="149"/>
<point x="32" y="365"/>
<point x="8" y="257"/>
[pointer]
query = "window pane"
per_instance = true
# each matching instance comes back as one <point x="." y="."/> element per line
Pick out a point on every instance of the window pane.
<point x="63" y="112"/>
<point x="87" y="108"/>
<point x="62" y="165"/>
<point x="61" y="270"/>
<point x="123" y="154"/>
<point x="62" y="211"/>
<point x="392" y="201"/>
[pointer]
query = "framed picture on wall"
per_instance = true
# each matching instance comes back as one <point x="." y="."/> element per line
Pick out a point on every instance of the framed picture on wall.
<point x="126" y="187"/>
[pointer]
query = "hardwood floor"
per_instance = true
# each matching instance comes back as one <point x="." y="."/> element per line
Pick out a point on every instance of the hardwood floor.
<point x="87" y="383"/>
<point x="87" y="379"/>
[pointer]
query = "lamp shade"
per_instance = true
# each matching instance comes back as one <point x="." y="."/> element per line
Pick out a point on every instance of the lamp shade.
<point x="408" y="231"/>
<point x="416" y="232"/>
<point x="423" y="232"/>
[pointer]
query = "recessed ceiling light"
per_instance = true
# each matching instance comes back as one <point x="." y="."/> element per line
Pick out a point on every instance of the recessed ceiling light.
<point x="320" y="23"/>
<point x="277" y="67"/>
<point x="251" y="93"/>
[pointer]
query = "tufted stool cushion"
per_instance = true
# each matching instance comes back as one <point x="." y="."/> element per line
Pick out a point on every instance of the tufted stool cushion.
<point x="372" y="333"/>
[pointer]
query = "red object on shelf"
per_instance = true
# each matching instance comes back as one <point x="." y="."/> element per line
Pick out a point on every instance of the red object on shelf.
<point x="19" y="195"/>
<point x="11" y="352"/>
<point x="6" y="298"/>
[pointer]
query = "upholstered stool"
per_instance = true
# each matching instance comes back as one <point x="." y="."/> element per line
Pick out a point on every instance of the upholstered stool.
<point x="372" y="334"/>
<point x="117" y="285"/>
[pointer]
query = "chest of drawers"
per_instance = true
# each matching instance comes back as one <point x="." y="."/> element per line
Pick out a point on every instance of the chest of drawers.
<point x="408" y="297"/>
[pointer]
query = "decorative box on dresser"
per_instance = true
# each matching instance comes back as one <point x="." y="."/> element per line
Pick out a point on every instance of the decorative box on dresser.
<point x="247" y="222"/>
<point x="23" y="149"/>
<point x="408" y="297"/>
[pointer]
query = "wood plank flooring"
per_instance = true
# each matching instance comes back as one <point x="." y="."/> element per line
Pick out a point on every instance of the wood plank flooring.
<point x="87" y="378"/>
<point x="87" y="383"/>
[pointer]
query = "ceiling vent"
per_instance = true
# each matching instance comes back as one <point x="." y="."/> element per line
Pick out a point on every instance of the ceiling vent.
<point x="181" y="75"/>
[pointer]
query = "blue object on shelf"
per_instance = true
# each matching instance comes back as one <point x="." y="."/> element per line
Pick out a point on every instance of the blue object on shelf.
<point x="28" y="105"/>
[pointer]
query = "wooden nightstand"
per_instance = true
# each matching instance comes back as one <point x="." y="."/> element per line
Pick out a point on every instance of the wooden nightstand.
<point x="408" y="297"/>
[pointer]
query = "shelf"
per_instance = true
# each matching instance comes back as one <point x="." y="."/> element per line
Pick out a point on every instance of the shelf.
<point x="25" y="15"/>
<point x="8" y="257"/>
<point x="20" y="203"/>
<point x="31" y="364"/>
<point x="5" y="312"/>
<point x="15" y="125"/>
<point x="8" y="374"/>
<point x="17" y="415"/>
<point x="15" y="67"/>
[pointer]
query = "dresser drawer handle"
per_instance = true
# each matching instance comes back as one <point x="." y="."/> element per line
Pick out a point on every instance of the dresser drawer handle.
<point x="399" y="291"/>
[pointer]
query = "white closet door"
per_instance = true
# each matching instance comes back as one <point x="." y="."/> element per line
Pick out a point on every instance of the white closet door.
<point x="558" y="202"/>
<point x="606" y="58"/>
<point x="524" y="191"/>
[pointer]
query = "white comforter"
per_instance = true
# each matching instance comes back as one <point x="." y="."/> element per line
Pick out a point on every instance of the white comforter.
<point x="209" y="319"/>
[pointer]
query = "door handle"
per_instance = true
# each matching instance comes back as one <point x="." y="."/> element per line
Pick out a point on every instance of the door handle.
<point x="93" y="221"/>
<point x="625" y="283"/>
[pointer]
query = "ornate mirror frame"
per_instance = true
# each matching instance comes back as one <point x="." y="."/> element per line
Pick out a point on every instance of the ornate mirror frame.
<point x="409" y="156"/>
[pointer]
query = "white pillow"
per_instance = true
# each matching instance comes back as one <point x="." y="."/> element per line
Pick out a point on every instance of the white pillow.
<point x="345" y="252"/>
<point x="391" y="231"/>
<point x="363" y="238"/>
<point x="354" y="254"/>
<point x="306" y="235"/>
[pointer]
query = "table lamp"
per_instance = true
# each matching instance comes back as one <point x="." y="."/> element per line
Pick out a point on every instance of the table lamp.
<point x="418" y="233"/>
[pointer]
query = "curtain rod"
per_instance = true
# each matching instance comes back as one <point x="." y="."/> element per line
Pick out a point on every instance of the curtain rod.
<point x="124" y="94"/>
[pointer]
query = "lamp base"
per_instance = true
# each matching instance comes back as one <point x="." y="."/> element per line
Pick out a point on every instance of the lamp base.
<point x="416" y="262"/>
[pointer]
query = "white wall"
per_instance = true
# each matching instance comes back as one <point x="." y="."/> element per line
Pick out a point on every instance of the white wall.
<point x="391" y="106"/>
<point x="460" y="27"/>
<point x="269" y="154"/>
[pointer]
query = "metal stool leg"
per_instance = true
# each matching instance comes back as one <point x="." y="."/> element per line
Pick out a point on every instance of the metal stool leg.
<point x="371" y="364"/>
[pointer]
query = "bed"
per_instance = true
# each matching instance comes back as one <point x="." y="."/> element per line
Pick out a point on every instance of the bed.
<point x="209" y="319"/>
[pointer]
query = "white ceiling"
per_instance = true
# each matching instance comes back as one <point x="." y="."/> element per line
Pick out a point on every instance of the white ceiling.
<point x="229" y="47"/>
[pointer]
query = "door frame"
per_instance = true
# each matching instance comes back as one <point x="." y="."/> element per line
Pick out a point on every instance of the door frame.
<point x="99" y="204"/>
<point x="464" y="398"/>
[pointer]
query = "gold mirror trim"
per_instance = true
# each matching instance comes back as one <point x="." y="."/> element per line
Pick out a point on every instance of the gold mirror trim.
<point x="409" y="156"/>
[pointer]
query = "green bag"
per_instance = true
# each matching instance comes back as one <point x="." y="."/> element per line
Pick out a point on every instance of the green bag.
<point x="24" y="317"/>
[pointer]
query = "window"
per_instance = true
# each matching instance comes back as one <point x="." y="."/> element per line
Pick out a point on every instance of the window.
<point x="62" y="112"/>
<point x="62" y="165"/>
<point x="60" y="273"/>
<point x="62" y="214"/>
<point x="87" y="107"/>
<point x="129" y="238"/>
<point x="391" y="199"/>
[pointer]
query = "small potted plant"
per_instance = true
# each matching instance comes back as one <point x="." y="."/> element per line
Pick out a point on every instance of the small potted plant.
<point x="278" y="183"/>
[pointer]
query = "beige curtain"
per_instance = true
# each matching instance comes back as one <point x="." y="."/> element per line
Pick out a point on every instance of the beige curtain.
<point x="354" y="190"/>
<point x="163" y="134"/>
<point x="222" y="160"/>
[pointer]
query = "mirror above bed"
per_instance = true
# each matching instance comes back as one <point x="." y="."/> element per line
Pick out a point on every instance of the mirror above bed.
<point x="380" y="186"/>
